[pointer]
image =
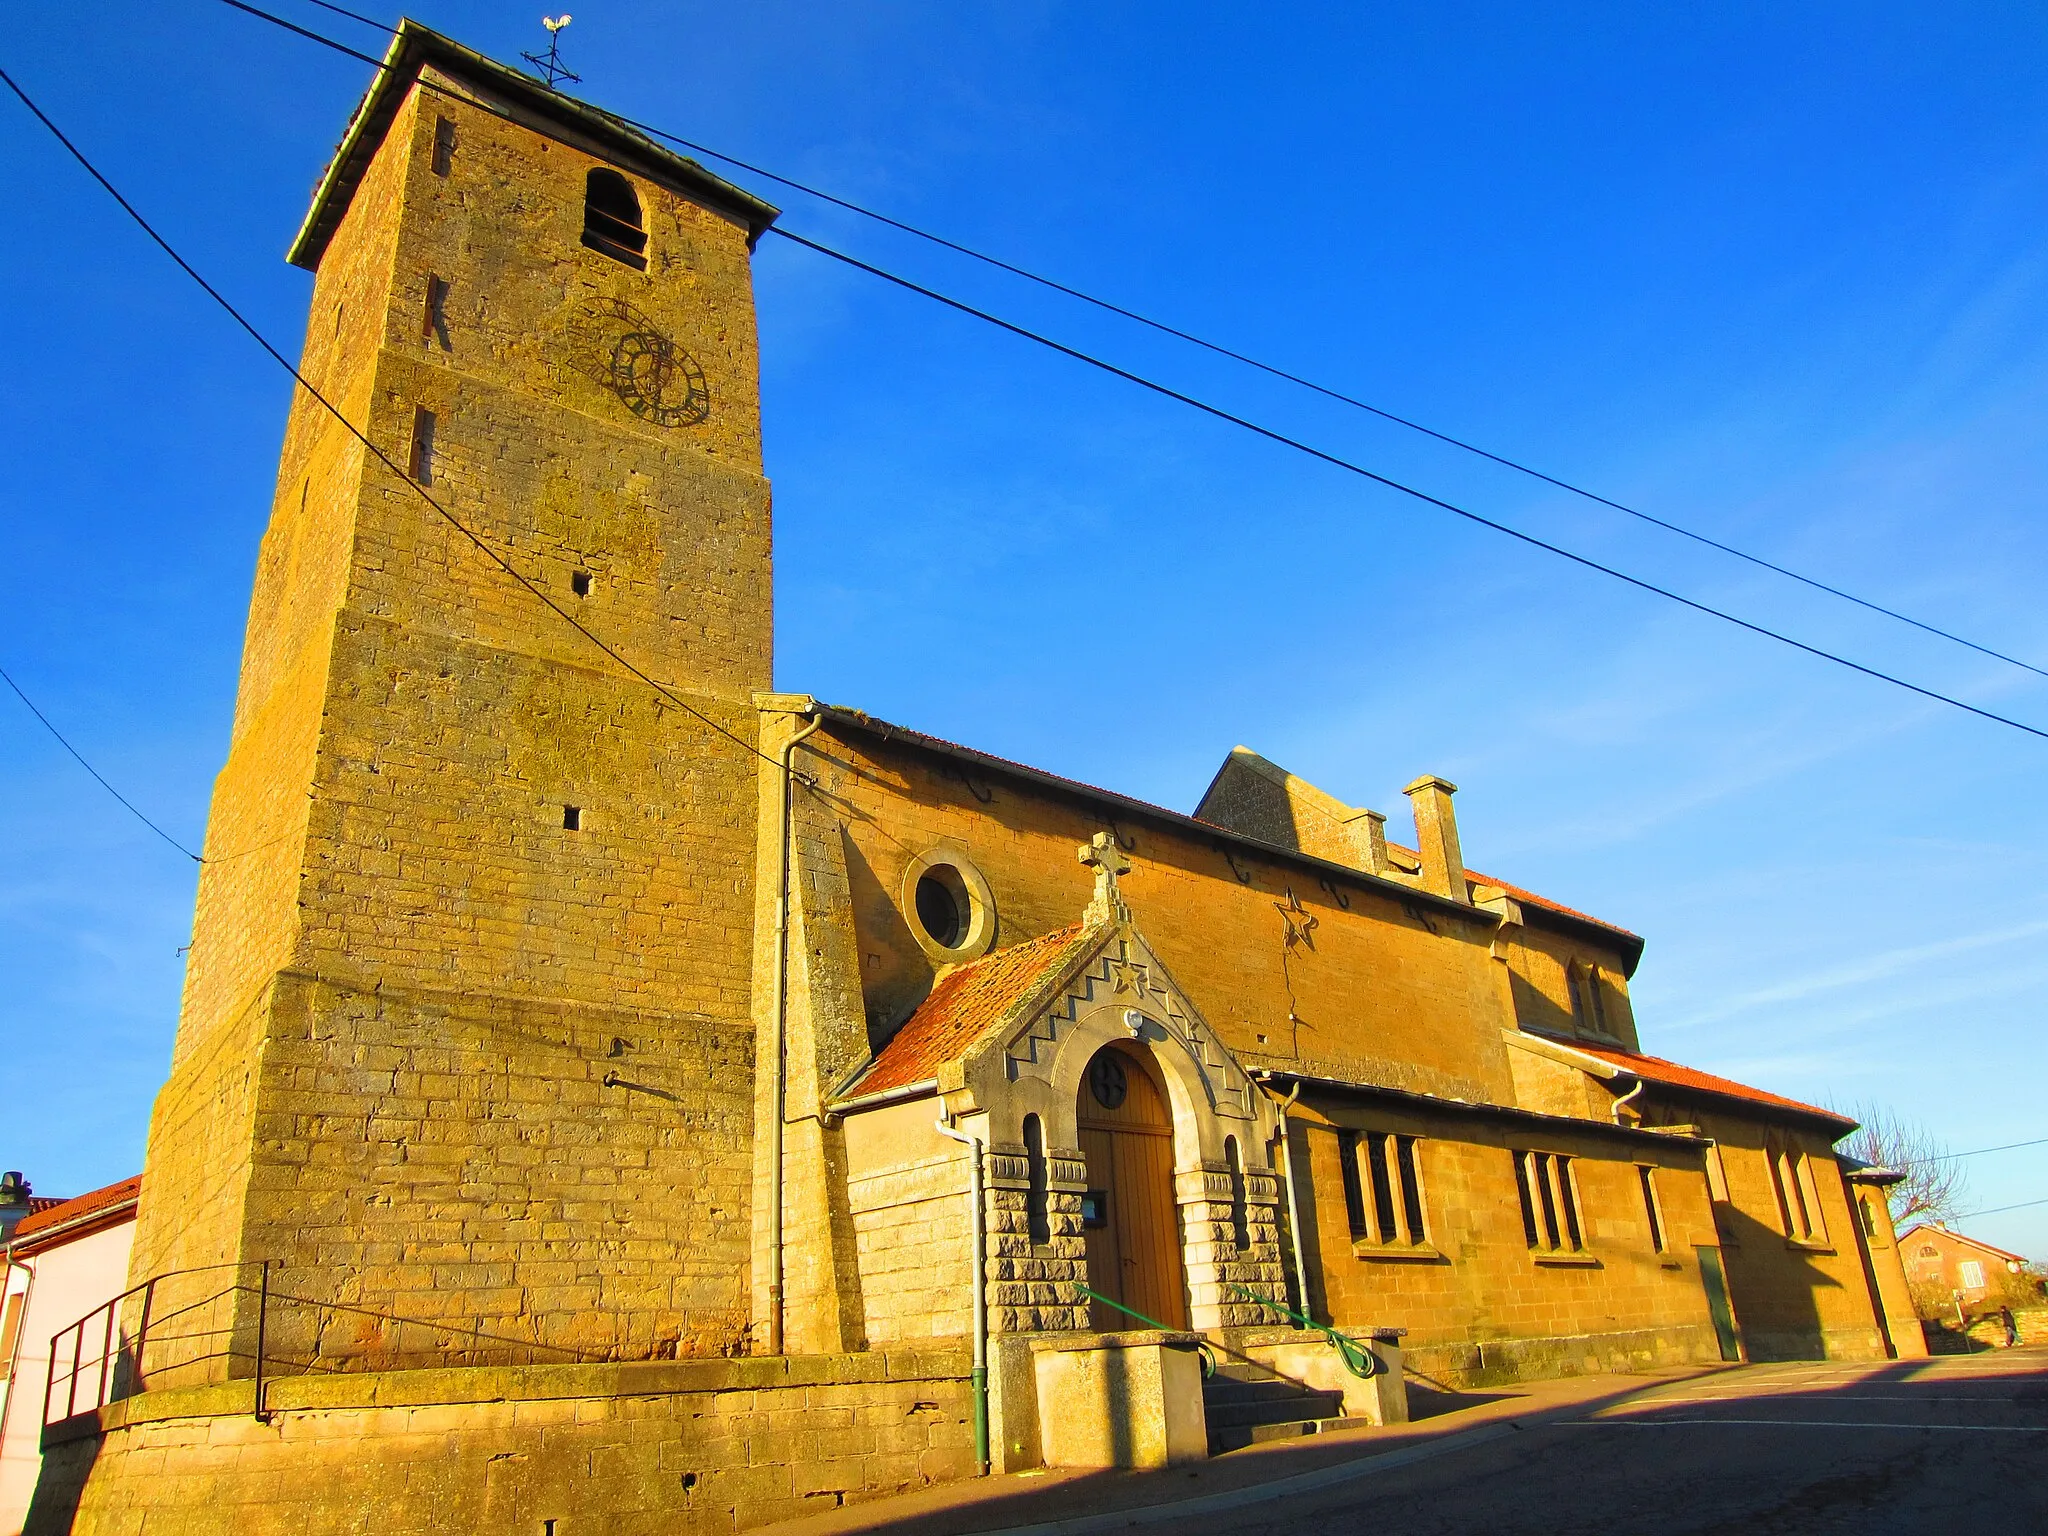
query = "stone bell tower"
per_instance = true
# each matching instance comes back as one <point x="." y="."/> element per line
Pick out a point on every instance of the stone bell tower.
<point x="465" y="1032"/>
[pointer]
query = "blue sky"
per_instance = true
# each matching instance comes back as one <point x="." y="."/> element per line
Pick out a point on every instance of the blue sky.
<point x="1778" y="273"/>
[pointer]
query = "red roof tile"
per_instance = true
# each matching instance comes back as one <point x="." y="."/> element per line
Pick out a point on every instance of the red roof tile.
<point x="1517" y="893"/>
<point x="1657" y="1070"/>
<point x="108" y="1202"/>
<point x="961" y="1008"/>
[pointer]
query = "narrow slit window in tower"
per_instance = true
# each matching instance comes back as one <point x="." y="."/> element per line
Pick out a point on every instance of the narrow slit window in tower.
<point x="444" y="146"/>
<point x="434" y="324"/>
<point x="572" y="818"/>
<point x="579" y="583"/>
<point x="423" y="445"/>
<point x="611" y="218"/>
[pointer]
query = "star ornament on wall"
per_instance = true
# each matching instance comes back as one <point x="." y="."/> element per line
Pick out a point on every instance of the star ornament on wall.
<point x="1301" y="923"/>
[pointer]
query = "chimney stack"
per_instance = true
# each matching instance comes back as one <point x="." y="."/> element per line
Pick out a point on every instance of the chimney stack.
<point x="1368" y="831"/>
<point x="1436" y="837"/>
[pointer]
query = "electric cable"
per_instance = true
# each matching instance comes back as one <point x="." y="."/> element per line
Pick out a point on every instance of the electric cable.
<point x="1271" y="435"/>
<point x="1409" y="423"/>
<point x="339" y="10"/>
<point x="1998" y="1209"/>
<point x="1950" y="1157"/>
<point x="282" y="361"/>
<point x="65" y="743"/>
<point x="1245" y="422"/>
<point x="1149" y="384"/>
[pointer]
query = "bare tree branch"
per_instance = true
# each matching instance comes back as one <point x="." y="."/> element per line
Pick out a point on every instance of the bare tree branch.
<point x="1935" y="1188"/>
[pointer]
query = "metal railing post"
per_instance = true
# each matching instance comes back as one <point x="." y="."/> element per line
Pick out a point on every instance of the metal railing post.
<point x="106" y="1360"/>
<point x="137" y="1376"/>
<point x="50" y="1378"/>
<point x="77" y="1355"/>
<point x="262" y="1323"/>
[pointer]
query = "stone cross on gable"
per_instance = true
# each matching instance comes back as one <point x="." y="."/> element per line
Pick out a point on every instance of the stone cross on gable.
<point x="1101" y="854"/>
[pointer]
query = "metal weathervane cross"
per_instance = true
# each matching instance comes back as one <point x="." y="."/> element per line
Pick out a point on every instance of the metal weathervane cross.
<point x="550" y="63"/>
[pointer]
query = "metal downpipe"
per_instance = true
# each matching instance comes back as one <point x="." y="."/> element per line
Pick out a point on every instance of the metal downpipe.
<point x="977" y="1230"/>
<point x="1293" y="1200"/>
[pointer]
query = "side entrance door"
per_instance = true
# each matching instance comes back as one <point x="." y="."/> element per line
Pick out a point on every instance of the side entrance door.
<point x="1130" y="1220"/>
<point x="1716" y="1283"/>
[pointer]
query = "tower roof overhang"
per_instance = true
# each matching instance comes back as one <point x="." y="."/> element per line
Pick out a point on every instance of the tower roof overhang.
<point x="503" y="91"/>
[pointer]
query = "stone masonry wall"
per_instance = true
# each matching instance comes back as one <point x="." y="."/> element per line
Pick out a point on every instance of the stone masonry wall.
<point x="1388" y="990"/>
<point x="1223" y="1261"/>
<point x="713" y="1446"/>
<point x="1795" y="1299"/>
<point x="910" y="1232"/>
<point x="1477" y="1282"/>
<point x="443" y="1052"/>
<point x="1031" y="1284"/>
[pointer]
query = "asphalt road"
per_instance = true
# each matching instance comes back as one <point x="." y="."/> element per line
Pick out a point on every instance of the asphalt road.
<point x="1957" y="1444"/>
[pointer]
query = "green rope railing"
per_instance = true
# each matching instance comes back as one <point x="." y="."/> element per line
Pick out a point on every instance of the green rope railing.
<point x="1208" y="1357"/>
<point x="1360" y="1362"/>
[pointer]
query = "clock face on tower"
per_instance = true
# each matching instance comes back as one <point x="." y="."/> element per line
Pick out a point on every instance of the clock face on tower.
<point x="653" y="377"/>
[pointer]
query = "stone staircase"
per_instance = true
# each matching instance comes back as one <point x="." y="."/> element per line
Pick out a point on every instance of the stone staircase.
<point x="1245" y="1403"/>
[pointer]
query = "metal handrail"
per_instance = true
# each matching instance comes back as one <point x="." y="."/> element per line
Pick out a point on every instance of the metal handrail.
<point x="1362" y="1363"/>
<point x="118" y="1365"/>
<point x="1208" y="1356"/>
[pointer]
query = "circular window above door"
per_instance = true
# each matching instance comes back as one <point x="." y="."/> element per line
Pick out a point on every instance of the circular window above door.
<point x="948" y="907"/>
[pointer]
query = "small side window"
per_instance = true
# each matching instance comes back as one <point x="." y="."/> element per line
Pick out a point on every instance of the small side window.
<point x="1550" y="1202"/>
<point x="1648" y="1176"/>
<point x="1354" y="1192"/>
<point x="1037" y="1218"/>
<point x="611" y="218"/>
<point x="1240" y="1224"/>
<point x="444" y="146"/>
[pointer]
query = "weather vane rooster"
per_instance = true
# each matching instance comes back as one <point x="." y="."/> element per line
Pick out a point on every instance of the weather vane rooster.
<point x="550" y="63"/>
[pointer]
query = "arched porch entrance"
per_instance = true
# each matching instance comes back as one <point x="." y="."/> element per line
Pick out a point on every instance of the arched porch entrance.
<point x="1131" y="1221"/>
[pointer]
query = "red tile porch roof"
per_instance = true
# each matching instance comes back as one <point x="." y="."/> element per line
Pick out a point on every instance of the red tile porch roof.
<point x="961" y="1007"/>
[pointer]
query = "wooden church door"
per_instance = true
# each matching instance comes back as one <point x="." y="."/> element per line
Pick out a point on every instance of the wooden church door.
<point x="1130" y="1222"/>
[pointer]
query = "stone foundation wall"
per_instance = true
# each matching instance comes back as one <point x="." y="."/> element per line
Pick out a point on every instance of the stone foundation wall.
<point x="698" y="1446"/>
<point x="1497" y="1361"/>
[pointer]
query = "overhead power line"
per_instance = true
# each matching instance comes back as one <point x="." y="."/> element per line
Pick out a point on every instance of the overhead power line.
<point x="1950" y="1157"/>
<point x="1464" y="445"/>
<point x="2000" y="1209"/>
<point x="1336" y="461"/>
<point x="339" y="10"/>
<point x="483" y="545"/>
<point x="65" y="743"/>
<point x="1245" y="422"/>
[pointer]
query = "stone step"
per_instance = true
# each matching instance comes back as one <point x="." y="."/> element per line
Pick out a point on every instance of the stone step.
<point x="1244" y="1403"/>
<point x="1232" y="1437"/>
<point x="1277" y="1394"/>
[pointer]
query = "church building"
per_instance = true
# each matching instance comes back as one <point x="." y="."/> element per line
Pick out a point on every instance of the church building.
<point x="614" y="1094"/>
